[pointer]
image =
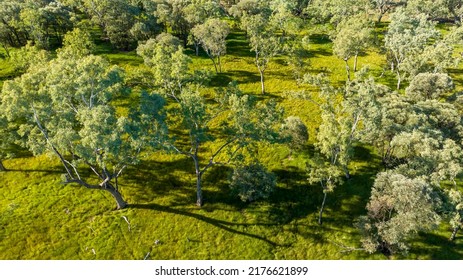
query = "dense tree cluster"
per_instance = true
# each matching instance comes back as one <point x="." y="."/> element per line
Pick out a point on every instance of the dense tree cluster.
<point x="63" y="100"/>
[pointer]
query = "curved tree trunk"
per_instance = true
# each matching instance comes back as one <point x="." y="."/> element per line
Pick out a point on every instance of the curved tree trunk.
<point x="121" y="203"/>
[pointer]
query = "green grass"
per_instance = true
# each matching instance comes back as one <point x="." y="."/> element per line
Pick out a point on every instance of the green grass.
<point x="40" y="218"/>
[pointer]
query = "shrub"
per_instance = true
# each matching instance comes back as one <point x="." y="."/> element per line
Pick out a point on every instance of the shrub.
<point x="252" y="182"/>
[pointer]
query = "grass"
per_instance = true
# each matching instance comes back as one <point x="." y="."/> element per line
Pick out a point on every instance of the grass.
<point x="40" y="218"/>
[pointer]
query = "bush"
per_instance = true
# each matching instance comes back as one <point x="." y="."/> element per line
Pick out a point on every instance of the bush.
<point x="252" y="182"/>
<point x="296" y="132"/>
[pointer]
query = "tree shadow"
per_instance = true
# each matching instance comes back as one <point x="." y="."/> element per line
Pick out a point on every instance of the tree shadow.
<point x="47" y="171"/>
<point x="225" y="225"/>
<point x="245" y="76"/>
<point x="220" y="80"/>
<point x="437" y="247"/>
<point x="237" y="45"/>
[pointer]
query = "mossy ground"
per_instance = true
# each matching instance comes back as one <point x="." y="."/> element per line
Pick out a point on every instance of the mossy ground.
<point x="40" y="218"/>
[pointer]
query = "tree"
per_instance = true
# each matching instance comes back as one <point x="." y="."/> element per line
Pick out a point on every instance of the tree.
<point x="385" y="6"/>
<point x="211" y="35"/>
<point x="123" y="22"/>
<point x="11" y="35"/>
<point x="7" y="142"/>
<point x="426" y="86"/>
<point x="456" y="211"/>
<point x="406" y="39"/>
<point x="296" y="132"/>
<point x="77" y="44"/>
<point x="399" y="207"/>
<point x="64" y="108"/>
<point x="342" y="111"/>
<point x="263" y="41"/>
<point x="353" y="37"/>
<point x="168" y="64"/>
<point x="247" y="123"/>
<point x="252" y="182"/>
<point x="45" y="20"/>
<point x="181" y="16"/>
<point x="28" y="56"/>
<point x="337" y="10"/>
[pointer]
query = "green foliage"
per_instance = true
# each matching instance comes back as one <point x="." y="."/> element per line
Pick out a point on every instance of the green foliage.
<point x="296" y="131"/>
<point x="211" y="35"/>
<point x="76" y="44"/>
<point x="399" y="207"/>
<point x="418" y="135"/>
<point x="27" y="56"/>
<point x="167" y="62"/>
<point x="252" y="182"/>
<point x="352" y="38"/>
<point x="429" y="86"/>
<point x="63" y="107"/>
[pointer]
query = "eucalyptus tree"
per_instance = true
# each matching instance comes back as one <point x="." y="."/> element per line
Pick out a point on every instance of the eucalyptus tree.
<point x="435" y="9"/>
<point x="28" y="56"/>
<point x="456" y="211"/>
<point x="337" y="10"/>
<point x="245" y="120"/>
<point x="11" y="32"/>
<point x="45" y="20"/>
<point x="197" y="12"/>
<point x="386" y="6"/>
<point x="123" y="21"/>
<point x="8" y="142"/>
<point x="64" y="107"/>
<point x="399" y="207"/>
<point x="263" y="42"/>
<point x="252" y="182"/>
<point x="352" y="38"/>
<point x="419" y="136"/>
<point x="296" y="132"/>
<point x="211" y="35"/>
<point x="77" y="43"/>
<point x="246" y="123"/>
<point x="426" y="86"/>
<point x="168" y="64"/>
<point x="406" y="40"/>
<point x="455" y="8"/>
<point x="181" y="16"/>
<point x="345" y="113"/>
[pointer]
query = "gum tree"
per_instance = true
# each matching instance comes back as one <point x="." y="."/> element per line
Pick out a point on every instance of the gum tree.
<point x="406" y="39"/>
<point x="398" y="208"/>
<point x="245" y="120"/>
<point x="343" y="110"/>
<point x="64" y="108"/>
<point x="211" y="36"/>
<point x="352" y="38"/>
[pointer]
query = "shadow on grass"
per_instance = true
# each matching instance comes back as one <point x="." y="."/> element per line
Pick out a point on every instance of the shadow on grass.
<point x="48" y="171"/>
<point x="227" y="226"/>
<point x="245" y="76"/>
<point x="237" y="45"/>
<point x="220" y="80"/>
<point x="439" y="247"/>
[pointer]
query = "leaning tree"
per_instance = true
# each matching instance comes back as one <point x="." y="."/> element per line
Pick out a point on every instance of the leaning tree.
<point x="64" y="107"/>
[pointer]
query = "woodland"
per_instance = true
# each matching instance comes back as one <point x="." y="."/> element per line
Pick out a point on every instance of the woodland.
<point x="241" y="129"/>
